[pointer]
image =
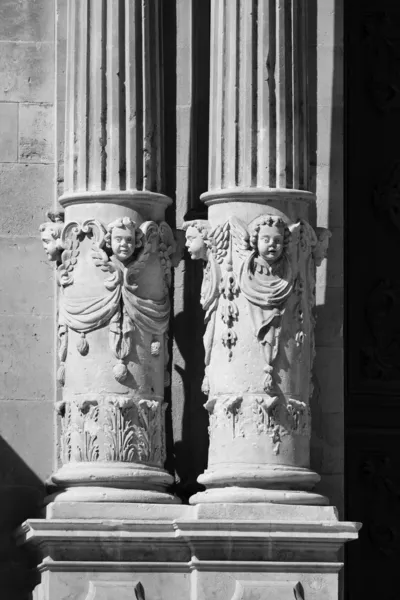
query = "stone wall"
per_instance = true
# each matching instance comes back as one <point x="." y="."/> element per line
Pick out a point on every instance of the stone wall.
<point x="27" y="283"/>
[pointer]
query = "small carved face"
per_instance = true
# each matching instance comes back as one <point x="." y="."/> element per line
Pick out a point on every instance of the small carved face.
<point x="195" y="244"/>
<point x="270" y="242"/>
<point x="50" y="245"/>
<point x="122" y="243"/>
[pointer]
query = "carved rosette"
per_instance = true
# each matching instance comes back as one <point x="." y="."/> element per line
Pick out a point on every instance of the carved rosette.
<point x="114" y="310"/>
<point x="259" y="294"/>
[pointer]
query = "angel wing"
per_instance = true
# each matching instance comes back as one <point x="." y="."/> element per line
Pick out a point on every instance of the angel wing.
<point x="233" y="230"/>
<point x="166" y="249"/>
<point x="240" y="237"/>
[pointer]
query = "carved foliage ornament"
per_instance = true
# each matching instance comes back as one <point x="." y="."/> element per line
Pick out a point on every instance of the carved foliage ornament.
<point x="129" y="429"/>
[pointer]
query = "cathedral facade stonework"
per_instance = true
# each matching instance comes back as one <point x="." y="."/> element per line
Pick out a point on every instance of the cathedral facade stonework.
<point x="172" y="300"/>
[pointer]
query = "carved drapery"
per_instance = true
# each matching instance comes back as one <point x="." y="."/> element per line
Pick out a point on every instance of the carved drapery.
<point x="260" y="254"/>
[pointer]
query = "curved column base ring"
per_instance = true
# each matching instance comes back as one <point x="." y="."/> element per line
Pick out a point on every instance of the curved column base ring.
<point x="267" y="483"/>
<point x="112" y="482"/>
<point x="234" y="494"/>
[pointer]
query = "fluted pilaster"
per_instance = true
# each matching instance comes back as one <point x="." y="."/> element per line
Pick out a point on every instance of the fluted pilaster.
<point x="258" y="99"/>
<point x="113" y="136"/>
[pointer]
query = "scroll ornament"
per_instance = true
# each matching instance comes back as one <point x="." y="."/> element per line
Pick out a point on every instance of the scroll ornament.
<point x="270" y="253"/>
<point x="121" y="250"/>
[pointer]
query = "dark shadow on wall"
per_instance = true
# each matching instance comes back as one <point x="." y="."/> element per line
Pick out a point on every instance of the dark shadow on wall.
<point x="190" y="452"/>
<point x="326" y="105"/>
<point x="21" y="497"/>
<point x="169" y="88"/>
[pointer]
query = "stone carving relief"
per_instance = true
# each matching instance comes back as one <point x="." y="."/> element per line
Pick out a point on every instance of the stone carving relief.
<point x="50" y="234"/>
<point x="260" y="276"/>
<point x="199" y="244"/>
<point x="268" y="275"/>
<point x="258" y="415"/>
<point x="121" y="249"/>
<point x="114" y="275"/>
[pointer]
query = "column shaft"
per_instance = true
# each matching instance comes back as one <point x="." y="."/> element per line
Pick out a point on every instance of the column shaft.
<point x="260" y="255"/>
<point x="113" y="253"/>
<point x="258" y="99"/>
<point x="113" y="136"/>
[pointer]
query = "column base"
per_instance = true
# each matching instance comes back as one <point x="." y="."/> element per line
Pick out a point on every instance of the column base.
<point x="112" y="482"/>
<point x="238" y="495"/>
<point x="109" y="494"/>
<point x="279" y="484"/>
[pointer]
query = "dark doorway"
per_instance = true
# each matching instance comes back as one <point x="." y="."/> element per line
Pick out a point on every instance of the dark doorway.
<point x="372" y="221"/>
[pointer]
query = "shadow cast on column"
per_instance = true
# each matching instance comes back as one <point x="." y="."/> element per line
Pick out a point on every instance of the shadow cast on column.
<point x="329" y="313"/>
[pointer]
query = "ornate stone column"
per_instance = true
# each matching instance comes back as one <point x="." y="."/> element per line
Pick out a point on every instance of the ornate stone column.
<point x="260" y="255"/>
<point x="113" y="255"/>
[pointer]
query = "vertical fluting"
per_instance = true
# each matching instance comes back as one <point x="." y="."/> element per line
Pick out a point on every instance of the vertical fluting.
<point x="114" y="86"/>
<point x="258" y="99"/>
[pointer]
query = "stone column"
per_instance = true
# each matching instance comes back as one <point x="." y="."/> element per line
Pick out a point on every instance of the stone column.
<point x="260" y="254"/>
<point x="113" y="253"/>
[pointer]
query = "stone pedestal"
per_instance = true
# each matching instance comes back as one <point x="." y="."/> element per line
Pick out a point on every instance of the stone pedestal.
<point x="260" y="254"/>
<point x="226" y="552"/>
<point x="113" y="252"/>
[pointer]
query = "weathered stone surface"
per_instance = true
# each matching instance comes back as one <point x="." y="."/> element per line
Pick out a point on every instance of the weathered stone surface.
<point x="26" y="193"/>
<point x="9" y="132"/>
<point x="27" y="286"/>
<point x="26" y="356"/>
<point x="26" y="72"/>
<point x="25" y="21"/>
<point x="36" y="133"/>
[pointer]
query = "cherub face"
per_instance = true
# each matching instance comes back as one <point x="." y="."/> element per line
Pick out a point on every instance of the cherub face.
<point x="49" y="245"/>
<point x="270" y="242"/>
<point x="195" y="244"/>
<point x="122" y="243"/>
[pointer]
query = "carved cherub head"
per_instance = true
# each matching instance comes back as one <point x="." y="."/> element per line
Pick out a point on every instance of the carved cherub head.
<point x="123" y="237"/>
<point x="197" y="238"/>
<point x="50" y="233"/>
<point x="269" y="237"/>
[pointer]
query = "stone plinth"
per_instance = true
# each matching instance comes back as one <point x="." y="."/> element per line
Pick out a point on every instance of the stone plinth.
<point x="210" y="551"/>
